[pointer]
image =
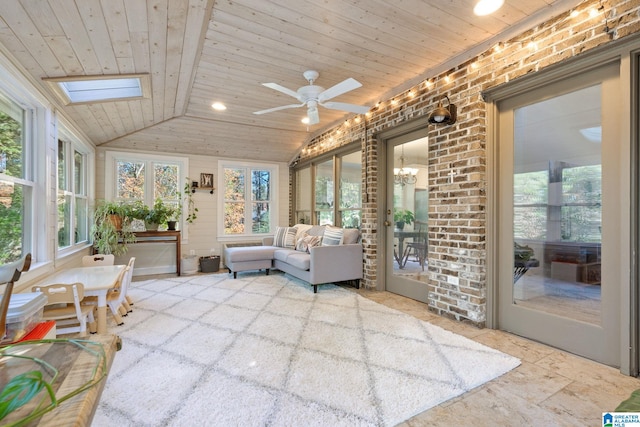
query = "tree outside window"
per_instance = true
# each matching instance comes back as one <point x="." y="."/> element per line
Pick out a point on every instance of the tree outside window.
<point x="13" y="185"/>
<point x="248" y="200"/>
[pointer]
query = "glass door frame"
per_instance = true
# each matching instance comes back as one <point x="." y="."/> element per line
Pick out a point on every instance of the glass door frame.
<point x="406" y="132"/>
<point x="629" y="303"/>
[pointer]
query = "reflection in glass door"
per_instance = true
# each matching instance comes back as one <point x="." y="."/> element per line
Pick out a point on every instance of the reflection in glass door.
<point x="407" y="260"/>
<point x="558" y="215"/>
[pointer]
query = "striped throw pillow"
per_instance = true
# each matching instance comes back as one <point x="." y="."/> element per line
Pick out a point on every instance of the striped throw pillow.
<point x="332" y="236"/>
<point x="285" y="237"/>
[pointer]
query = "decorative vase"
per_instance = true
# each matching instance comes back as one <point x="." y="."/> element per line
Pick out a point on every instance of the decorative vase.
<point x="171" y="225"/>
<point x="400" y="225"/>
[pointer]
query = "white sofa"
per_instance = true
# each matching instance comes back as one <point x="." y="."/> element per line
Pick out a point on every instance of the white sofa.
<point x="319" y="265"/>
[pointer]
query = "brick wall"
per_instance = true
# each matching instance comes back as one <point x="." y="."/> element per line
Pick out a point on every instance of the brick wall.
<point x="457" y="215"/>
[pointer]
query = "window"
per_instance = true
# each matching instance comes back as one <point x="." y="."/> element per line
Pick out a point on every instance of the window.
<point x="249" y="205"/>
<point x="574" y="198"/>
<point x="16" y="181"/>
<point x="303" y="195"/>
<point x="72" y="200"/>
<point x="317" y="183"/>
<point x="325" y="193"/>
<point x="132" y="177"/>
<point x="88" y="89"/>
<point x="350" y="208"/>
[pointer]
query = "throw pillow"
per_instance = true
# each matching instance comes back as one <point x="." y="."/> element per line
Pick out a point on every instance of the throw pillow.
<point x="306" y="242"/>
<point x="332" y="236"/>
<point x="285" y="237"/>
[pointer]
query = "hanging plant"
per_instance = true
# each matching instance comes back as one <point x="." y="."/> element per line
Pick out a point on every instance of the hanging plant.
<point x="192" y="210"/>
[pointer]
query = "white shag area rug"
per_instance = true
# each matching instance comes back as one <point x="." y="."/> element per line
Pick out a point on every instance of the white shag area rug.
<point x="208" y="350"/>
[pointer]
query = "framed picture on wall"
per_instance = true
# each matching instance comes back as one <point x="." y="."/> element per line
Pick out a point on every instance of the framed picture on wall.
<point x="206" y="180"/>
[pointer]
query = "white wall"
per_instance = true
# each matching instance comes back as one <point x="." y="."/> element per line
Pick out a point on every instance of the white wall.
<point x="201" y="236"/>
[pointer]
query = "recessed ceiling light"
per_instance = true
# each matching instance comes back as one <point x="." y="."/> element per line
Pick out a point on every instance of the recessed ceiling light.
<point x="218" y="106"/>
<point x="486" y="7"/>
<point x="89" y="89"/>
<point x="305" y="120"/>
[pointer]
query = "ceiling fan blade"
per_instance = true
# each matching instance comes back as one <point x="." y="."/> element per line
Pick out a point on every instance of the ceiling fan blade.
<point x="314" y="117"/>
<point x="279" y="108"/>
<point x="358" y="109"/>
<point x="339" y="89"/>
<point x="282" y="89"/>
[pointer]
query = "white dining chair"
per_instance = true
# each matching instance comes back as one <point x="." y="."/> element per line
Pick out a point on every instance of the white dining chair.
<point x="98" y="259"/>
<point x="115" y="297"/>
<point x="65" y="308"/>
<point x="128" y="301"/>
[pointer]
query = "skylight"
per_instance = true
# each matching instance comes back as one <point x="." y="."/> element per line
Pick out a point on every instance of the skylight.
<point x="83" y="89"/>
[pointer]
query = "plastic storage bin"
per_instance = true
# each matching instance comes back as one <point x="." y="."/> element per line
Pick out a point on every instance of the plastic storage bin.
<point x="24" y="314"/>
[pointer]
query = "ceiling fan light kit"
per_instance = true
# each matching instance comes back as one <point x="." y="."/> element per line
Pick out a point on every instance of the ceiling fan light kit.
<point x="444" y="115"/>
<point x="313" y="96"/>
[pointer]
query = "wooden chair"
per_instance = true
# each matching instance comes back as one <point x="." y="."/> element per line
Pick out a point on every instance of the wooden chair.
<point x="115" y="298"/>
<point x="63" y="306"/>
<point x="419" y="246"/>
<point x="97" y="259"/>
<point x="10" y="273"/>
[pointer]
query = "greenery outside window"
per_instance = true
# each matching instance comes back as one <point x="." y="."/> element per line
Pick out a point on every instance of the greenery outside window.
<point x="350" y="209"/>
<point x="16" y="181"/>
<point x="578" y="201"/>
<point x="249" y="200"/>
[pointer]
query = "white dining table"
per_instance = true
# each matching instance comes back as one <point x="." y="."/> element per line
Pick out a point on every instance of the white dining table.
<point x="96" y="280"/>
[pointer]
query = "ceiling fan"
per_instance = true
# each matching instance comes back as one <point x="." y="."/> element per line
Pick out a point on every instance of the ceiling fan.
<point x="311" y="96"/>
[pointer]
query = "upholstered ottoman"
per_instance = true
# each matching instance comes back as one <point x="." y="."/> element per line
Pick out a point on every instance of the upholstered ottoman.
<point x="245" y="258"/>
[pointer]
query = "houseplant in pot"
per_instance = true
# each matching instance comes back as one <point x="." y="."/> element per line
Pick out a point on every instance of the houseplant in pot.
<point x="159" y="214"/>
<point x="110" y="231"/>
<point x="402" y="217"/>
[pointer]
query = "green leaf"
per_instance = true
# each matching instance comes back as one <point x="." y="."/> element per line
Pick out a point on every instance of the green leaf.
<point x="19" y="391"/>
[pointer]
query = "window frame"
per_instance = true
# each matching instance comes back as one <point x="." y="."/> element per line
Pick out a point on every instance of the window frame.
<point x="33" y="180"/>
<point x="336" y="157"/>
<point x="74" y="144"/>
<point x="273" y="202"/>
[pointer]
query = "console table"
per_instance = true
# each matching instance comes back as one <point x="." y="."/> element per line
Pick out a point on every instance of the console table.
<point x="168" y="236"/>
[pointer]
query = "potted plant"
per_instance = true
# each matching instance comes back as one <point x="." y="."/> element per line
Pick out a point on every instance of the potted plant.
<point x="110" y="232"/>
<point x="160" y="213"/>
<point x="402" y="217"/>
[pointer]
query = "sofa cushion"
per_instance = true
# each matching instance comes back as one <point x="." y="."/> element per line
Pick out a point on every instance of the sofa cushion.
<point x="350" y="236"/>
<point x="300" y="260"/>
<point x="332" y="236"/>
<point x="301" y="230"/>
<point x="285" y="237"/>
<point x="248" y="253"/>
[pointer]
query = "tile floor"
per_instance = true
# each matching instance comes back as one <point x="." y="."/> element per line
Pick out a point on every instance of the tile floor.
<point x="550" y="388"/>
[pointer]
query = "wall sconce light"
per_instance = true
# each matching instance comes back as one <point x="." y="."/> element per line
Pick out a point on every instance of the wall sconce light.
<point x="442" y="115"/>
<point x="194" y="186"/>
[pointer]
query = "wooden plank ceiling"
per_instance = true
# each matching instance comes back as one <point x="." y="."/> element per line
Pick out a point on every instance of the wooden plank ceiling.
<point x="198" y="52"/>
